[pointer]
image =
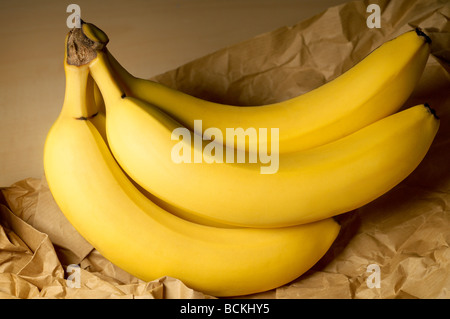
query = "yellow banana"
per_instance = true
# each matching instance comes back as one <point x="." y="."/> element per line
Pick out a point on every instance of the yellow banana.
<point x="374" y="88"/>
<point x="147" y="241"/>
<point x="307" y="186"/>
<point x="99" y="121"/>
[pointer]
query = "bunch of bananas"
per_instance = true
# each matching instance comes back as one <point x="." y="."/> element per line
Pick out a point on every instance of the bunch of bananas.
<point x="224" y="228"/>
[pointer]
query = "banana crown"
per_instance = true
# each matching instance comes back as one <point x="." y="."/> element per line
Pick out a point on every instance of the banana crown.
<point x="79" y="101"/>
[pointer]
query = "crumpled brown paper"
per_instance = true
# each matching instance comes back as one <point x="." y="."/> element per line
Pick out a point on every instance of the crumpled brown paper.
<point x="400" y="241"/>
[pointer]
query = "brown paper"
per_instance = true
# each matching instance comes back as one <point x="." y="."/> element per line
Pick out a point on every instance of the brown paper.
<point x="404" y="234"/>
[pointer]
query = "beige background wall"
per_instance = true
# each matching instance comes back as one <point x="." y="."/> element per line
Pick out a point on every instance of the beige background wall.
<point x="148" y="37"/>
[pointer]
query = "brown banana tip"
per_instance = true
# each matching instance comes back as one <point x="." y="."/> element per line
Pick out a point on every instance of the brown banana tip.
<point x="80" y="50"/>
<point x="431" y="110"/>
<point x="420" y="33"/>
<point x="95" y="34"/>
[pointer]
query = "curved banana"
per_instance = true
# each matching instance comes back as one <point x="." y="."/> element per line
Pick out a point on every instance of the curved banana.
<point x="307" y="186"/>
<point x="374" y="88"/>
<point x="99" y="121"/>
<point x="145" y="240"/>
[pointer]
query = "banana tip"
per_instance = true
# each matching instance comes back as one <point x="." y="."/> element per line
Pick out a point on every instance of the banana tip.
<point x="432" y="111"/>
<point x="420" y="33"/>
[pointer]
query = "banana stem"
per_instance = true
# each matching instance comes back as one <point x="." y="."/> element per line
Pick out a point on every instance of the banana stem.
<point x="103" y="75"/>
<point x="80" y="49"/>
<point x="79" y="103"/>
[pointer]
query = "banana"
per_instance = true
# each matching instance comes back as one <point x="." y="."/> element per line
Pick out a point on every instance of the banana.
<point x="99" y="121"/>
<point x="308" y="186"/>
<point x="145" y="240"/>
<point x="372" y="89"/>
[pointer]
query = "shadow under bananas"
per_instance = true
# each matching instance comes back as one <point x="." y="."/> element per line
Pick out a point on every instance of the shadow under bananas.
<point x="433" y="173"/>
<point x="350" y="223"/>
